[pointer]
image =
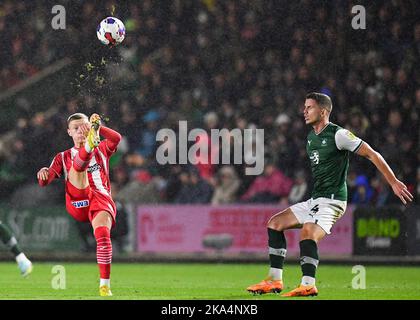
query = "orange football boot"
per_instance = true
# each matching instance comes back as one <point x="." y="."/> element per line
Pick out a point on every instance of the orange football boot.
<point x="266" y="286"/>
<point x="302" y="291"/>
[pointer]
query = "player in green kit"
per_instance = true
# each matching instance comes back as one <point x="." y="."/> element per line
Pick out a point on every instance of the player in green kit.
<point x="328" y="147"/>
<point x="8" y="238"/>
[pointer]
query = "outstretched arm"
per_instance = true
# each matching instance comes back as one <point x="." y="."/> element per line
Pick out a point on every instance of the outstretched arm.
<point x="47" y="175"/>
<point x="112" y="137"/>
<point x="399" y="188"/>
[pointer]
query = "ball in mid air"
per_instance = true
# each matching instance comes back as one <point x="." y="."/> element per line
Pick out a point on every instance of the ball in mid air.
<point x="111" y="31"/>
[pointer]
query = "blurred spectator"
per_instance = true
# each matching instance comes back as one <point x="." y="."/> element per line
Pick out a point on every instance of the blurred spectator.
<point x="226" y="186"/>
<point x="147" y="143"/>
<point x="417" y="191"/>
<point x="142" y="188"/>
<point x="383" y="194"/>
<point x="363" y="193"/>
<point x="173" y="183"/>
<point x="216" y="64"/>
<point x="119" y="177"/>
<point x="269" y="187"/>
<point x="351" y="183"/>
<point x="299" y="188"/>
<point x="194" y="188"/>
<point x="205" y="161"/>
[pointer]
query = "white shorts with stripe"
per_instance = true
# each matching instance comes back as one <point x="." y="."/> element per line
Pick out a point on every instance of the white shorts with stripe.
<point x="321" y="211"/>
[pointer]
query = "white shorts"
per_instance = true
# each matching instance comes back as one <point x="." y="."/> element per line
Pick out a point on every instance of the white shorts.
<point x="321" y="211"/>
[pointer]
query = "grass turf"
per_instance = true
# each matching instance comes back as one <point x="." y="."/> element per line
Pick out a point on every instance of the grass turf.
<point x="202" y="281"/>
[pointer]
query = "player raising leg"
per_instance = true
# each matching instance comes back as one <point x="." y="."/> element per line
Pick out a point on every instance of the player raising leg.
<point x="88" y="193"/>
<point x="102" y="209"/>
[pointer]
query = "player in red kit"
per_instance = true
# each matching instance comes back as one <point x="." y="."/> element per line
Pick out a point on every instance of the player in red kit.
<point x="88" y="189"/>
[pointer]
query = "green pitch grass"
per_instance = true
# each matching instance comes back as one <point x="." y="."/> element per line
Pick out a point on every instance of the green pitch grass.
<point x="201" y="281"/>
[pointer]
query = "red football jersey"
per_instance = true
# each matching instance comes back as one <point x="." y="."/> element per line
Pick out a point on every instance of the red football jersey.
<point x="98" y="169"/>
<point x="84" y="204"/>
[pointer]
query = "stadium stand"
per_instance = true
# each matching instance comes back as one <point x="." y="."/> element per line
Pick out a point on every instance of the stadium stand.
<point x="221" y="64"/>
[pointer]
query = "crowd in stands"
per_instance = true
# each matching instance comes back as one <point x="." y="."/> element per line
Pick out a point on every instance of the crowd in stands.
<point x="221" y="64"/>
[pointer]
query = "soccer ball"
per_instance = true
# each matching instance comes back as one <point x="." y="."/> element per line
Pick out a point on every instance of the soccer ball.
<point x="111" y="31"/>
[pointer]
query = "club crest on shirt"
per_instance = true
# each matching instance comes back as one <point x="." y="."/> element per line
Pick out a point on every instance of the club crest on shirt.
<point x="93" y="168"/>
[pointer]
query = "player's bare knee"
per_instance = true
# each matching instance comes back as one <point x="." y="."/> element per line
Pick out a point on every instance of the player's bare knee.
<point x="307" y="232"/>
<point x="102" y="219"/>
<point x="276" y="222"/>
<point x="283" y="220"/>
<point x="275" y="226"/>
<point x="312" y="231"/>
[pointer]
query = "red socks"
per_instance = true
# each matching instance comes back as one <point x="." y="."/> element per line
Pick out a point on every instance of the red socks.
<point x="103" y="251"/>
